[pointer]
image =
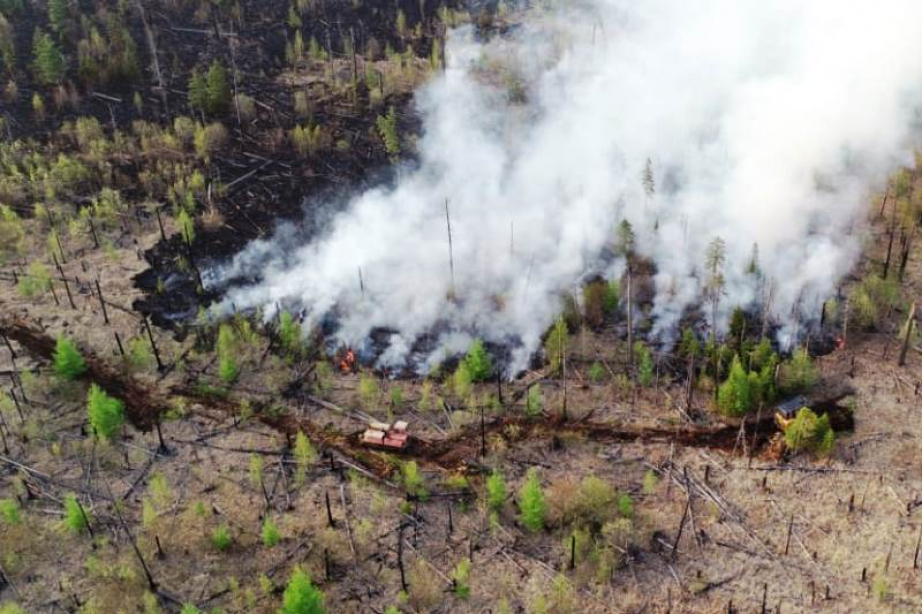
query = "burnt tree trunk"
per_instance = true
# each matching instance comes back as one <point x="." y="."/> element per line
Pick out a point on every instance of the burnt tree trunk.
<point x="630" y="319"/>
<point x="907" y="336"/>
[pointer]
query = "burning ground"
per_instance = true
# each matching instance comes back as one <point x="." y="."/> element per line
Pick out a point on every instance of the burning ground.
<point x="537" y="145"/>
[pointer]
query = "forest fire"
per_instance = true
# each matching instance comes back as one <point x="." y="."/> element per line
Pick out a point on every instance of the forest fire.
<point x="462" y="306"/>
<point x="728" y="220"/>
<point x="347" y="362"/>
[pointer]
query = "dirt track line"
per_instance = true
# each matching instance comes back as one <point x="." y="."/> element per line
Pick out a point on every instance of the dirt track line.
<point x="456" y="453"/>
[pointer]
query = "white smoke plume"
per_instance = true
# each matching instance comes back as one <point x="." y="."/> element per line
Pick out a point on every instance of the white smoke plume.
<point x="766" y="123"/>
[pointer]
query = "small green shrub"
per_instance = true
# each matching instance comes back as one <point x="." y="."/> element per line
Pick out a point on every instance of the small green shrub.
<point x="9" y="511"/>
<point x="478" y="362"/>
<point x="301" y="596"/>
<point x="645" y="369"/>
<point x="186" y="226"/>
<point x="107" y="414"/>
<point x="76" y="518"/>
<point x="228" y="347"/>
<point x="650" y="482"/>
<point x="387" y="130"/>
<point x="625" y="505"/>
<point x="532" y="507"/>
<point x="463" y="381"/>
<point x="290" y="335"/>
<point x="36" y="282"/>
<point x="198" y="91"/>
<point x="459" y="577"/>
<point x="556" y="344"/>
<point x="457" y="481"/>
<point x="68" y="362"/>
<point x="870" y="300"/>
<point x="305" y="456"/>
<point x="596" y="372"/>
<point x="496" y="491"/>
<point x="256" y="470"/>
<point x="413" y="481"/>
<point x="593" y="504"/>
<point x="221" y="538"/>
<point x="270" y="533"/>
<point x="396" y="396"/>
<point x="880" y="588"/>
<point x="140" y="355"/>
<point x="534" y="401"/>
<point x="368" y="391"/>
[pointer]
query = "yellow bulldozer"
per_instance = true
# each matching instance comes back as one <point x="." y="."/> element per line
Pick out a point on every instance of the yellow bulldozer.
<point x="787" y="411"/>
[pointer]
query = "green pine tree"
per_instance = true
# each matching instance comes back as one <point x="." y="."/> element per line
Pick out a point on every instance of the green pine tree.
<point x="596" y="372"/>
<point x="556" y="344"/>
<point x="107" y="414"/>
<point x="7" y="46"/>
<point x="305" y="455"/>
<point x="221" y="538"/>
<point x="478" y="362"/>
<point x="811" y="433"/>
<point x="532" y="507"/>
<point x="76" y="518"/>
<point x="459" y="576"/>
<point x="534" y="401"/>
<point x="301" y="596"/>
<point x="270" y="533"/>
<point x="49" y="63"/>
<point x="462" y="380"/>
<point x="689" y="347"/>
<point x="198" y="91"/>
<point x="625" y="241"/>
<point x="761" y="355"/>
<point x="58" y="14"/>
<point x="798" y="373"/>
<point x="186" y="226"/>
<point x="611" y="297"/>
<point x="645" y="367"/>
<point x="290" y="335"/>
<point x="387" y="129"/>
<point x="228" y="369"/>
<point x="9" y="511"/>
<point x="496" y="491"/>
<point x="734" y="397"/>
<point x="413" y="481"/>
<point x="218" y="90"/>
<point x="68" y="362"/>
<point x="648" y="180"/>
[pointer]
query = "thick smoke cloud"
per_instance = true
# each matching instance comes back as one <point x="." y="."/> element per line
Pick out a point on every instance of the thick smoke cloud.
<point x="766" y="123"/>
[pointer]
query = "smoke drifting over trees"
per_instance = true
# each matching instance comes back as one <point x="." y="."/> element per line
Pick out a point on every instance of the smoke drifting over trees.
<point x="764" y="124"/>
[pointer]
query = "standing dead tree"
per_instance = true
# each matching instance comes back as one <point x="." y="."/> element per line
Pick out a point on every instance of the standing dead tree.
<point x="625" y="248"/>
<point x="451" y="256"/>
<point x="154" y="56"/>
<point x="907" y="334"/>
